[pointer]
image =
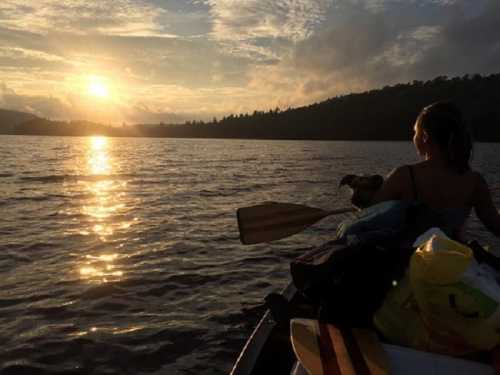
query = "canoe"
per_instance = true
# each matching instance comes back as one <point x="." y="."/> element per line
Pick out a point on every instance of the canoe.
<point x="269" y="350"/>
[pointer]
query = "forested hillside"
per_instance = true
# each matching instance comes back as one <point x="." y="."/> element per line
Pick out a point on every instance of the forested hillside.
<point x="383" y="114"/>
<point x="10" y="119"/>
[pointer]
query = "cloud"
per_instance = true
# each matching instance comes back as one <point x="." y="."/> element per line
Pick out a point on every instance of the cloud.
<point x="253" y="19"/>
<point x="363" y="45"/>
<point x="39" y="105"/>
<point x="80" y="16"/>
<point x="28" y="59"/>
<point x="177" y="59"/>
<point x="259" y="29"/>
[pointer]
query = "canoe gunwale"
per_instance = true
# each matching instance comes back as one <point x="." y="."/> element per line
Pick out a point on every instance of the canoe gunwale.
<point x="251" y="352"/>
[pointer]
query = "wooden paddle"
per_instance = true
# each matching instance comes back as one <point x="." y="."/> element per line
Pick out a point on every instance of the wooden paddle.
<point x="325" y="349"/>
<point x="273" y="221"/>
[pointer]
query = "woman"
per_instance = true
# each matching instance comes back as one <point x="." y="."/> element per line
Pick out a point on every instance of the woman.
<point x="444" y="180"/>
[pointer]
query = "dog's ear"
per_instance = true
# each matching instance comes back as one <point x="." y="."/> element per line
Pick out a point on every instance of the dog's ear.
<point x="347" y="180"/>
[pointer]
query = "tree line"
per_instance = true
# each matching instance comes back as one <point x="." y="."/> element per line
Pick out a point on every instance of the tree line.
<point x="382" y="114"/>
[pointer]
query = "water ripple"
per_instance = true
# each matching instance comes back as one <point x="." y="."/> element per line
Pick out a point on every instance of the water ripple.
<point x="121" y="256"/>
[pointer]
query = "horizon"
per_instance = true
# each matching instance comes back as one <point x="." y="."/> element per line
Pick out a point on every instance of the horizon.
<point x="145" y="62"/>
<point x="208" y="121"/>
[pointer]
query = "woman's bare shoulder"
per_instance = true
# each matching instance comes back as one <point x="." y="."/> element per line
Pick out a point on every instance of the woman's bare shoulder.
<point x="415" y="166"/>
<point x="393" y="187"/>
<point x="402" y="174"/>
<point x="399" y="173"/>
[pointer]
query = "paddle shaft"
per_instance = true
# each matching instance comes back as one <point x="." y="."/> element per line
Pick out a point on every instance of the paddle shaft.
<point x="272" y="221"/>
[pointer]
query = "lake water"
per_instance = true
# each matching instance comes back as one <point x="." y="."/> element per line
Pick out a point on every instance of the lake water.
<point x="121" y="256"/>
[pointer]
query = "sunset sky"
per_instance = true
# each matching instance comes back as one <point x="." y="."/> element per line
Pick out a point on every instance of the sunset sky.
<point x="150" y="60"/>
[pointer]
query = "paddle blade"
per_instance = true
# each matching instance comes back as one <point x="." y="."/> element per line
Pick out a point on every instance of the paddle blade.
<point x="327" y="349"/>
<point x="272" y="221"/>
<point x="304" y="335"/>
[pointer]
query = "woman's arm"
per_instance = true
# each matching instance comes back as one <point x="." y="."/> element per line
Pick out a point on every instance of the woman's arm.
<point x="393" y="186"/>
<point x="483" y="205"/>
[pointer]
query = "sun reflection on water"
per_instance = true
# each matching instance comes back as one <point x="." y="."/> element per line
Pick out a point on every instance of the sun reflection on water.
<point x="98" y="160"/>
<point x="108" y="330"/>
<point x="103" y="210"/>
<point x="100" y="268"/>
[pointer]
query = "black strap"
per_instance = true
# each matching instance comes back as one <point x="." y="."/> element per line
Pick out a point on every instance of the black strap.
<point x="329" y="359"/>
<point x="482" y="255"/>
<point x="413" y="183"/>
<point x="357" y="359"/>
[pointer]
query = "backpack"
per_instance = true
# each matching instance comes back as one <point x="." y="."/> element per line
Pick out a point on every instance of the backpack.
<point x="350" y="276"/>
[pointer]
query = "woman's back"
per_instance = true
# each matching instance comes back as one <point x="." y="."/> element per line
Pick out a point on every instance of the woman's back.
<point x="440" y="188"/>
<point x="426" y="182"/>
<point x="450" y="194"/>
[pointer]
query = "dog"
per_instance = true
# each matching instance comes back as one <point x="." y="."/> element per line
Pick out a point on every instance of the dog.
<point x="363" y="188"/>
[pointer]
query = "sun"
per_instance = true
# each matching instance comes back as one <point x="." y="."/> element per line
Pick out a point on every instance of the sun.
<point x="98" y="88"/>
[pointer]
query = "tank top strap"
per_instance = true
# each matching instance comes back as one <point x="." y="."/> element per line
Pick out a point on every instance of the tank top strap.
<point x="413" y="182"/>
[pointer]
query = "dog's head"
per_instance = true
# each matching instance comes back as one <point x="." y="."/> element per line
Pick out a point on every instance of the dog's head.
<point x="363" y="188"/>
